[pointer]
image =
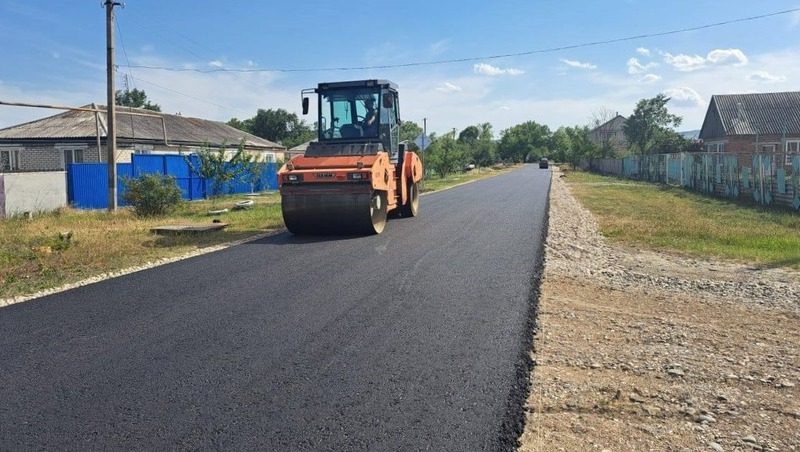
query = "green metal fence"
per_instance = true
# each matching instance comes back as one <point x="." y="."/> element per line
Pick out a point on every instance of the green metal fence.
<point x="767" y="179"/>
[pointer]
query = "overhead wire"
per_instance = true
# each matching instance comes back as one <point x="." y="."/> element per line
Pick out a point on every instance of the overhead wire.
<point x="124" y="52"/>
<point x="183" y="94"/>
<point x="130" y="66"/>
<point x="156" y="25"/>
<point x="133" y="80"/>
<point x="479" y="58"/>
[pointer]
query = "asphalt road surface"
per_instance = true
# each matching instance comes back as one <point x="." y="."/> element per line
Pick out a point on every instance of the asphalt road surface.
<point x="415" y="339"/>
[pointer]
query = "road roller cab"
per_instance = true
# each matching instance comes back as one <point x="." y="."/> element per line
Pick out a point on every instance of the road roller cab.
<point x="357" y="172"/>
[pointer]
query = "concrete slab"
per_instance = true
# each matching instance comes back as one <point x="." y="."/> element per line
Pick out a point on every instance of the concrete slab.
<point x="175" y="229"/>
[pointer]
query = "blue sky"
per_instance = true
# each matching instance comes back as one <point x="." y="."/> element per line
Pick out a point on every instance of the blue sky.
<point x="54" y="52"/>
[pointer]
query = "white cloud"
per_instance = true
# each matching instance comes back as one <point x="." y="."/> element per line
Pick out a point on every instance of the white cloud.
<point x="716" y="57"/>
<point x="448" y="99"/>
<point x="448" y="87"/>
<point x="635" y="67"/>
<point x="724" y="56"/>
<point x="578" y="64"/>
<point x="685" y="97"/>
<point x="643" y="51"/>
<point x="766" y="77"/>
<point x="488" y="69"/>
<point x="683" y="62"/>
<point x="216" y="63"/>
<point x="650" y="78"/>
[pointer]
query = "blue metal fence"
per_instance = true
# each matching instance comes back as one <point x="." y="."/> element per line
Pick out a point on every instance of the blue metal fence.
<point x="767" y="179"/>
<point x="87" y="183"/>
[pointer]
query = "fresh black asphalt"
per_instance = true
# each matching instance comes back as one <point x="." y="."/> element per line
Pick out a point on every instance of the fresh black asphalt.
<point x="415" y="339"/>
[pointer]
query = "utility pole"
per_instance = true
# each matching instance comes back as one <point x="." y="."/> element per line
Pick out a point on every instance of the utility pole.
<point x="424" y="130"/>
<point x="111" y="135"/>
<point x="422" y="151"/>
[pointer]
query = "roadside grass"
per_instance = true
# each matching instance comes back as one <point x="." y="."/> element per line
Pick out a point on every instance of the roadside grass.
<point x="673" y="219"/>
<point x="436" y="182"/>
<point x="34" y="257"/>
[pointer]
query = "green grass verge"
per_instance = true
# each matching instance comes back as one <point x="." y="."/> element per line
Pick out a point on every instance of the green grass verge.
<point x="436" y="182"/>
<point x="673" y="219"/>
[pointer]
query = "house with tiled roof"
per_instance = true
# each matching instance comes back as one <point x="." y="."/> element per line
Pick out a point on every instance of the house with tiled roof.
<point x="610" y="134"/>
<point x="79" y="136"/>
<point x="766" y="123"/>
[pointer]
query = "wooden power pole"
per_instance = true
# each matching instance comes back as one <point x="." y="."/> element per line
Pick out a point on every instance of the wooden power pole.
<point x="111" y="135"/>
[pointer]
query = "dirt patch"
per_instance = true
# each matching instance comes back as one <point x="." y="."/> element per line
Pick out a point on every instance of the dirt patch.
<point x="638" y="350"/>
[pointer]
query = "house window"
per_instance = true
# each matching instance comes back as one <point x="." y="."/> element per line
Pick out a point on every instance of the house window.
<point x="143" y="148"/>
<point x="269" y="157"/>
<point x="9" y="160"/>
<point x="72" y="156"/>
<point x="792" y="148"/>
<point x="767" y="148"/>
<point x="715" y="147"/>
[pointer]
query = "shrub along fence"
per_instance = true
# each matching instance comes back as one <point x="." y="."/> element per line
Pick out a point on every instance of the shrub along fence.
<point x="87" y="183"/>
<point x="767" y="179"/>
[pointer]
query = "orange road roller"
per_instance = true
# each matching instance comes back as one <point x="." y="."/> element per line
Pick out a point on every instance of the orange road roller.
<point x="357" y="172"/>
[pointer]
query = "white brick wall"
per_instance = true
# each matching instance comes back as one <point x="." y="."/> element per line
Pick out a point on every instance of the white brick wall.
<point x="34" y="192"/>
<point x="51" y="157"/>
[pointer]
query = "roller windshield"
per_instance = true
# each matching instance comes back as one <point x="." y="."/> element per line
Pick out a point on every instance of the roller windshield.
<point x="349" y="113"/>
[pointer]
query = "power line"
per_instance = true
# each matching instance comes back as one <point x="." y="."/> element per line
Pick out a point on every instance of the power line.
<point x="130" y="71"/>
<point x="158" y="26"/>
<point x="184" y="94"/>
<point x="125" y="52"/>
<point x="479" y="58"/>
<point x="133" y="79"/>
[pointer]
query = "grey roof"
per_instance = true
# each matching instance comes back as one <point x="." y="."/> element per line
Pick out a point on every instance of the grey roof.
<point x="302" y="146"/>
<point x="752" y="114"/>
<point x="690" y="134"/>
<point x="180" y="129"/>
<point x="614" y="123"/>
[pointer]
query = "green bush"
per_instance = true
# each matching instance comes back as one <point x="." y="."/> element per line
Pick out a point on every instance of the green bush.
<point x="151" y="194"/>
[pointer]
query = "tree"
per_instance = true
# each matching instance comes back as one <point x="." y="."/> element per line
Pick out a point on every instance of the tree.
<point x="469" y="135"/>
<point x="478" y="144"/>
<point x="280" y="126"/>
<point x="299" y="135"/>
<point x="649" y="123"/>
<point x="560" y="145"/>
<point x="485" y="132"/>
<point x="215" y="166"/>
<point x="445" y="155"/>
<point x="409" y="131"/>
<point x="580" y="145"/>
<point x="523" y="141"/>
<point x="246" y="125"/>
<point x="136" y="99"/>
<point x="151" y="194"/>
<point x="252" y="170"/>
<point x="277" y="125"/>
<point x="484" y="153"/>
<point x="669" y="141"/>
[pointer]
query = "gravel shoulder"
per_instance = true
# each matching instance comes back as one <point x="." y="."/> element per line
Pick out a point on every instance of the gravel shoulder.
<point x="641" y="350"/>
